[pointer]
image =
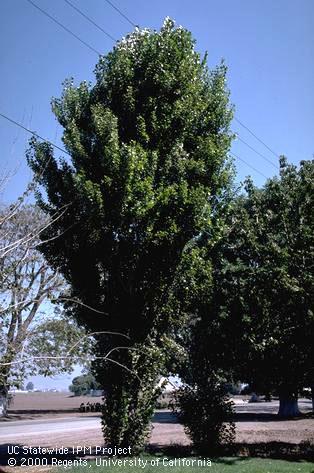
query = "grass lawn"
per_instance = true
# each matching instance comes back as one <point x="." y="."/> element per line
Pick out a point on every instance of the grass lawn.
<point x="191" y="465"/>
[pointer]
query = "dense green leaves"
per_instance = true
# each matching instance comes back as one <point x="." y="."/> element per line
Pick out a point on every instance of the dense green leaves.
<point x="82" y="385"/>
<point x="259" y="325"/>
<point x="148" y="145"/>
<point x="207" y="415"/>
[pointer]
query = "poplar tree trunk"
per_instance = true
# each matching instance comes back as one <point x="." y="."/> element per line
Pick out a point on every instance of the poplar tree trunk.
<point x="3" y="401"/>
<point x="4" y="390"/>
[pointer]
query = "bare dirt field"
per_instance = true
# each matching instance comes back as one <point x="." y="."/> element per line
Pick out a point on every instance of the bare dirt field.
<point x="36" y="405"/>
<point x="254" y="422"/>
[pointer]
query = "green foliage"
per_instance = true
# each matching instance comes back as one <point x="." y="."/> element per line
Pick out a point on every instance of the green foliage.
<point x="148" y="171"/>
<point x="129" y="406"/>
<point x="82" y="385"/>
<point x="260" y="320"/>
<point x="206" y="413"/>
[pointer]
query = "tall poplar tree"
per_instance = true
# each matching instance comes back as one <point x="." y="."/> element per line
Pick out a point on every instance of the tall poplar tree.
<point x="148" y="144"/>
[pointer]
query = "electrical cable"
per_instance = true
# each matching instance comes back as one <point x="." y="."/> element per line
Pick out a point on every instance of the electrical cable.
<point x="64" y="27"/>
<point x="33" y="133"/>
<point x="248" y="164"/>
<point x="121" y="13"/>
<point x="257" y="152"/>
<point x="255" y="136"/>
<point x="90" y="20"/>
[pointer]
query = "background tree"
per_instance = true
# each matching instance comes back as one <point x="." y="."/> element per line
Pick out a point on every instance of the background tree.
<point x="148" y="145"/>
<point x="83" y="384"/>
<point x="30" y="386"/>
<point x="31" y="342"/>
<point x="259" y="324"/>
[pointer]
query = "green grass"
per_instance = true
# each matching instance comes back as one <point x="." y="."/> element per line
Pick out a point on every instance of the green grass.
<point x="218" y="465"/>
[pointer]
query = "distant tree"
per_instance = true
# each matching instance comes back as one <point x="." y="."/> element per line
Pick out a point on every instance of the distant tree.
<point x="30" y="386"/>
<point x="149" y="165"/>
<point x="82" y="385"/>
<point x="31" y="341"/>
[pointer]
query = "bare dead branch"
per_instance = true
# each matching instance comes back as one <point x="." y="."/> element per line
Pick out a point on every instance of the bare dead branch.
<point x="33" y="234"/>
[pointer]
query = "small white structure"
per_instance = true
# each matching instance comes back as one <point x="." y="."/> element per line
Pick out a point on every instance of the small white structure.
<point x="169" y="385"/>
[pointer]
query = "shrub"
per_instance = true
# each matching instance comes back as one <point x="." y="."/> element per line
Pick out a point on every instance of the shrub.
<point x="206" y="413"/>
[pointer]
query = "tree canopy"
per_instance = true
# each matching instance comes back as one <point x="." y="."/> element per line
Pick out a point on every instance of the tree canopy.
<point x="259" y="324"/>
<point x="83" y="384"/>
<point x="148" y="170"/>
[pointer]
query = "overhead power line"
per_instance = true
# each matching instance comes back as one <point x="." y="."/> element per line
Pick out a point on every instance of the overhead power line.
<point x="248" y="164"/>
<point x="33" y="133"/>
<point x="251" y="147"/>
<point x="257" y="152"/>
<point x="99" y="54"/>
<point x="64" y="27"/>
<point x="66" y="152"/>
<point x="121" y="13"/>
<point x="90" y="20"/>
<point x="255" y="136"/>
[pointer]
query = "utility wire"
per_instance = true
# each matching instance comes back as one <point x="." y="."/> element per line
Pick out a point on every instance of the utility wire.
<point x="64" y="151"/>
<point x="253" y="149"/>
<point x="90" y="20"/>
<point x="121" y="13"/>
<point x="33" y="133"/>
<point x="257" y="152"/>
<point x="64" y="27"/>
<point x="98" y="53"/>
<point x="253" y="134"/>
<point x="248" y="164"/>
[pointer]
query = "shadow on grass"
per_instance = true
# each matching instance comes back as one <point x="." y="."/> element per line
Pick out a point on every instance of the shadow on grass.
<point x="241" y="451"/>
<point x="228" y="455"/>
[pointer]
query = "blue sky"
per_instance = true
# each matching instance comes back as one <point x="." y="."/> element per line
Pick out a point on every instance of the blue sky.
<point x="268" y="46"/>
<point x="61" y="382"/>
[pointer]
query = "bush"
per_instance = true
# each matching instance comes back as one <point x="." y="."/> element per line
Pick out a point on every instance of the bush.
<point x="206" y="413"/>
